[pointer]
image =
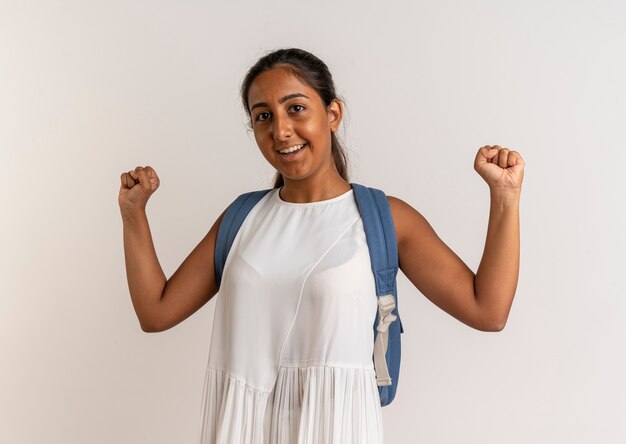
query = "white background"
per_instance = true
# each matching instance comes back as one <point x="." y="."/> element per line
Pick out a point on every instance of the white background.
<point x="91" y="89"/>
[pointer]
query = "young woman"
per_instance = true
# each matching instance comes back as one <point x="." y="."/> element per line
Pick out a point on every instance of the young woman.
<point x="291" y="349"/>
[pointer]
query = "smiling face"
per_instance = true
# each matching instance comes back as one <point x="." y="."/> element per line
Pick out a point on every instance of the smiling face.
<point x="287" y="112"/>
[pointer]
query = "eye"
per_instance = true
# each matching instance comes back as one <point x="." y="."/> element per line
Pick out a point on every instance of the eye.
<point x="258" y="119"/>
<point x="259" y="115"/>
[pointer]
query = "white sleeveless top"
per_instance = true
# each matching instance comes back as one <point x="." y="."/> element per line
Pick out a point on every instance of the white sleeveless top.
<point x="290" y="360"/>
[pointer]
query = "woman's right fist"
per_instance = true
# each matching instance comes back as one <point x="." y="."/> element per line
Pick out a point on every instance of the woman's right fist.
<point x="137" y="187"/>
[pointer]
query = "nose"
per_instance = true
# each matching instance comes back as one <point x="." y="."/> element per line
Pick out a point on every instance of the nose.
<point x="281" y="127"/>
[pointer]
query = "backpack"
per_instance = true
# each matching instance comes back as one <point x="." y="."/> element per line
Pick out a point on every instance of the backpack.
<point x="381" y="241"/>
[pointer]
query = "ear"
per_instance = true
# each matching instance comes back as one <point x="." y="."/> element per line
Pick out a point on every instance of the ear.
<point x="335" y="113"/>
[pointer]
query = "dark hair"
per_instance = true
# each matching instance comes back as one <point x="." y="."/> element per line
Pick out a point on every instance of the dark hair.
<point x="310" y="70"/>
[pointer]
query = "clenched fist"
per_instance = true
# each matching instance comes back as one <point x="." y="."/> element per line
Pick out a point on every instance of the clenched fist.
<point x="137" y="187"/>
<point x="501" y="168"/>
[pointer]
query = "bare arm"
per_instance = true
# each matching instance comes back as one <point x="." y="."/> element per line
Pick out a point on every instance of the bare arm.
<point x="498" y="272"/>
<point x="144" y="274"/>
<point x="160" y="303"/>
<point x="435" y="270"/>
<point x="481" y="301"/>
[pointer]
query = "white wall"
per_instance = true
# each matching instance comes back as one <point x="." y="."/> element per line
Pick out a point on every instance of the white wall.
<point x="89" y="90"/>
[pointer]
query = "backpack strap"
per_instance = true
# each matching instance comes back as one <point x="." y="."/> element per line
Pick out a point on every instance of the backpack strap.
<point x="231" y="222"/>
<point x="381" y="239"/>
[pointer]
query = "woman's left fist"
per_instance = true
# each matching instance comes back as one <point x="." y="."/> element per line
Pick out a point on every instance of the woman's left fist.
<point x="502" y="169"/>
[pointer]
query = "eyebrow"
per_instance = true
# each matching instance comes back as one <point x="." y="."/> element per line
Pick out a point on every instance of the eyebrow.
<point x="282" y="100"/>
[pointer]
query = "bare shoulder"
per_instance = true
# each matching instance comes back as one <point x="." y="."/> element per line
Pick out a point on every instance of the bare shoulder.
<point x="406" y="219"/>
<point x="414" y="233"/>
<point x="435" y="270"/>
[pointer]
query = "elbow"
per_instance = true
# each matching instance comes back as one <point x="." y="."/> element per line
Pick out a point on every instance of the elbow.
<point x="495" y="325"/>
<point x="149" y="329"/>
<point x="152" y="321"/>
<point x="498" y="327"/>
<point x="150" y="326"/>
<point x="489" y="322"/>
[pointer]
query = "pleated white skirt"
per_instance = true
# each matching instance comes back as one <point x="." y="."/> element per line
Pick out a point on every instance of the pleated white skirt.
<point x="290" y="360"/>
<point x="310" y="405"/>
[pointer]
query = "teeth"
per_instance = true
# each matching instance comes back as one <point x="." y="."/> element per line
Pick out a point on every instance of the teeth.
<point x="292" y="149"/>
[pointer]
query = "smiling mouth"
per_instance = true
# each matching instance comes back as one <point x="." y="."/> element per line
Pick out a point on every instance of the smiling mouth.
<point x="293" y="150"/>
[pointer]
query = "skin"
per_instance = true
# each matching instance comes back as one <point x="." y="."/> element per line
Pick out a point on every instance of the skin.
<point x="481" y="301"/>
<point x="423" y="257"/>
<point x="298" y="120"/>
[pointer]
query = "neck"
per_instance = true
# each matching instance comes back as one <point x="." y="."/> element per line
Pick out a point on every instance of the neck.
<point x="313" y="189"/>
